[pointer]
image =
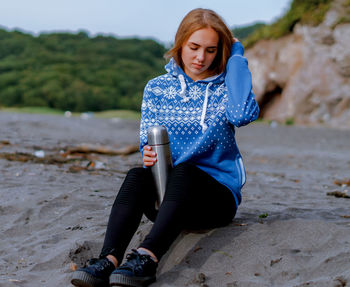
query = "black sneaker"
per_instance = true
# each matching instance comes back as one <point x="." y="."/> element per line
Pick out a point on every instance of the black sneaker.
<point x="139" y="270"/>
<point x="96" y="274"/>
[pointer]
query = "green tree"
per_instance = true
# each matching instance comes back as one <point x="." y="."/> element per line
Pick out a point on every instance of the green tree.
<point x="76" y="72"/>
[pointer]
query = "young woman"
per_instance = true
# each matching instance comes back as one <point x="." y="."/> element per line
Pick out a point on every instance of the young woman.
<point x="206" y="92"/>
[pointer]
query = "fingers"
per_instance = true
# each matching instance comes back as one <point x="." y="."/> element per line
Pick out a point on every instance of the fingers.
<point x="147" y="150"/>
<point x="149" y="156"/>
<point x="149" y="161"/>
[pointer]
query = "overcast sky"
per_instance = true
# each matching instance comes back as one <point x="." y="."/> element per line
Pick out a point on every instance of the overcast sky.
<point x="157" y="19"/>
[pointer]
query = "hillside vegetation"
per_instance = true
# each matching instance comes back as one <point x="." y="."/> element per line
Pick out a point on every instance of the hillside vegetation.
<point x="75" y="72"/>
<point x="310" y="12"/>
<point x="243" y="32"/>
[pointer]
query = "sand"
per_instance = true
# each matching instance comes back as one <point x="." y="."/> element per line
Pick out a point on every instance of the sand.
<point x="287" y="232"/>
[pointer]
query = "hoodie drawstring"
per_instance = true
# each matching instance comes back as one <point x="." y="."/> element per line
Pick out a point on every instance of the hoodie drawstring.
<point x="204" y="111"/>
<point x="183" y="89"/>
<point x="185" y="99"/>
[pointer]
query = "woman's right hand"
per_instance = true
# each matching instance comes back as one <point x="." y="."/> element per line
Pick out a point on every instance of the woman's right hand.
<point x="149" y="156"/>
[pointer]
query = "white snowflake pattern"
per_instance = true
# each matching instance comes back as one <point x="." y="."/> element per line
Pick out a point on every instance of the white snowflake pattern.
<point x="170" y="92"/>
<point x="195" y="92"/>
<point x="219" y="91"/>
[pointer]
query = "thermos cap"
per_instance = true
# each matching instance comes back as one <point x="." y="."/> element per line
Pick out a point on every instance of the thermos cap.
<point x="158" y="135"/>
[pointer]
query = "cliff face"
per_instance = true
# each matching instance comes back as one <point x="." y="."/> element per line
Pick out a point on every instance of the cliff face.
<point x="305" y="76"/>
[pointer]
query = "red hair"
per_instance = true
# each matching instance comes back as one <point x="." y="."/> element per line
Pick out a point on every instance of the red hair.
<point x="198" y="19"/>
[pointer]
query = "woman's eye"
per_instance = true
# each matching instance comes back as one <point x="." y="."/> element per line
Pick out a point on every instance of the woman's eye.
<point x="193" y="48"/>
<point x="211" y="51"/>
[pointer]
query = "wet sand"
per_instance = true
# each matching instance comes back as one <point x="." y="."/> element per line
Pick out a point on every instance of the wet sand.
<point x="55" y="213"/>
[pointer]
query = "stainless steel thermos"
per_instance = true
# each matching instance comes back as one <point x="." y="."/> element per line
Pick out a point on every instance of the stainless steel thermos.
<point x="158" y="139"/>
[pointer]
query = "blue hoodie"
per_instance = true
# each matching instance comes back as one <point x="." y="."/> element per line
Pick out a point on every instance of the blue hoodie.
<point x="201" y="115"/>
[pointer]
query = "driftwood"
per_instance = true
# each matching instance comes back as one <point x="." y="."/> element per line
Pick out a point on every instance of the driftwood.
<point x="4" y="143"/>
<point x="342" y="182"/>
<point x="24" y="157"/>
<point x="89" y="148"/>
<point x="72" y="154"/>
<point x="338" y="194"/>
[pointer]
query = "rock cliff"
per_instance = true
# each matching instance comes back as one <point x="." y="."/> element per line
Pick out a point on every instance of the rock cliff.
<point x="305" y="77"/>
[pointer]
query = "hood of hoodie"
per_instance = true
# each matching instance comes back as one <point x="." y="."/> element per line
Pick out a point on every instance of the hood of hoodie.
<point x="176" y="71"/>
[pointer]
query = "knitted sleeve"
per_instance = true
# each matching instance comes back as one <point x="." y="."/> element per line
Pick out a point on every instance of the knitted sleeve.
<point x="145" y="116"/>
<point x="241" y="107"/>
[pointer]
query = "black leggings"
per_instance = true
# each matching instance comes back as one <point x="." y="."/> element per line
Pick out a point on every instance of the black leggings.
<point x="193" y="200"/>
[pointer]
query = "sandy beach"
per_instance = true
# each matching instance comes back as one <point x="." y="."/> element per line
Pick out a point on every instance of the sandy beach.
<point x="288" y="231"/>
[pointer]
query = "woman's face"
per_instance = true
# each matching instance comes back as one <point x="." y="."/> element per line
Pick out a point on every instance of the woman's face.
<point x="198" y="53"/>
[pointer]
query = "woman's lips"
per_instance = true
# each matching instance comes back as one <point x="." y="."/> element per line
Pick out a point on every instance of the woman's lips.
<point x="197" y="66"/>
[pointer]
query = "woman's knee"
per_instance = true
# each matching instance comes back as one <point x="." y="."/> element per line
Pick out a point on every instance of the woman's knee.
<point x="136" y="173"/>
<point x="134" y="186"/>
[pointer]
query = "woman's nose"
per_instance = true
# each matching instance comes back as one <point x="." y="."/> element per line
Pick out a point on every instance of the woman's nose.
<point x="201" y="56"/>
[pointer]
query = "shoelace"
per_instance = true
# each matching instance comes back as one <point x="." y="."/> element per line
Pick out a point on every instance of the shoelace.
<point x="99" y="264"/>
<point x="135" y="261"/>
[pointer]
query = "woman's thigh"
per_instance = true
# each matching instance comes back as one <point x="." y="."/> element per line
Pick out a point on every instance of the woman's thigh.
<point x="206" y="202"/>
<point x="139" y="191"/>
